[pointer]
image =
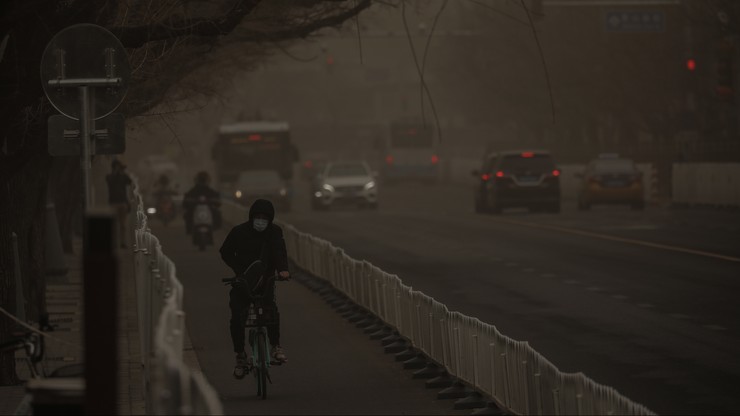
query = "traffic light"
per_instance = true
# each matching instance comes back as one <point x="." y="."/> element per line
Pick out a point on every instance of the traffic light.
<point x="691" y="64"/>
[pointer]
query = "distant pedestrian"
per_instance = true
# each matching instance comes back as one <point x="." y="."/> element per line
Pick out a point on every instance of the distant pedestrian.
<point x="118" y="183"/>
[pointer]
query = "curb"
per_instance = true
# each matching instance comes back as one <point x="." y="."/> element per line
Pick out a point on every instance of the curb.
<point x="422" y="367"/>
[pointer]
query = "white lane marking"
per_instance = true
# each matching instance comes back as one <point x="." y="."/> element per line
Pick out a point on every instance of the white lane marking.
<point x="619" y="297"/>
<point x="528" y="270"/>
<point x="570" y="281"/>
<point x="646" y="305"/>
<point x="631" y="227"/>
<point x="620" y="239"/>
<point x="714" y="327"/>
<point x="679" y="316"/>
<point x="548" y="275"/>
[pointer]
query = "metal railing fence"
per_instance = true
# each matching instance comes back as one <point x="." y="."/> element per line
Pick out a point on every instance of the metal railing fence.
<point x="510" y="371"/>
<point x="171" y="388"/>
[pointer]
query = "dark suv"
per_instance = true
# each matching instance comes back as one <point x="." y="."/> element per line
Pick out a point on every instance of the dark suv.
<point x="518" y="179"/>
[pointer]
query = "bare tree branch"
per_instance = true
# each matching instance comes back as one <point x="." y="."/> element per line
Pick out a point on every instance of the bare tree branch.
<point x="137" y="36"/>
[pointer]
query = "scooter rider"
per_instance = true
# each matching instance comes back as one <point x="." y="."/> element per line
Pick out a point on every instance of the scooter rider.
<point x="190" y="200"/>
<point x="257" y="239"/>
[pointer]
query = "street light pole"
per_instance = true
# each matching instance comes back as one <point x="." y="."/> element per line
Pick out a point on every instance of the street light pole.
<point x="85" y="118"/>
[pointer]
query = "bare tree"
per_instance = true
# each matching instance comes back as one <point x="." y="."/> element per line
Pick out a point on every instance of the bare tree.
<point x="166" y="40"/>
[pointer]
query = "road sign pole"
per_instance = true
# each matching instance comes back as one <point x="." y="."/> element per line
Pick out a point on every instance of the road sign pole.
<point x="85" y="118"/>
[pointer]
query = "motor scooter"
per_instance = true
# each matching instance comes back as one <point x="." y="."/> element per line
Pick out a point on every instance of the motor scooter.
<point x="202" y="223"/>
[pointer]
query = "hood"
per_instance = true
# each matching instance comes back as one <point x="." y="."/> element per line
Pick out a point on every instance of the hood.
<point x="262" y="206"/>
<point x="348" y="180"/>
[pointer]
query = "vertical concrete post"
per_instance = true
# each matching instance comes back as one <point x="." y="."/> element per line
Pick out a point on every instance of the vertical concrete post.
<point x="100" y="268"/>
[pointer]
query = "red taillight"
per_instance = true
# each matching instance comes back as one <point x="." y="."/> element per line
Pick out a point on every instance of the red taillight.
<point x="389" y="159"/>
<point x="527" y="154"/>
<point x="308" y="164"/>
<point x="500" y="174"/>
<point x="435" y="159"/>
<point x="485" y="176"/>
<point x="254" y="137"/>
<point x="556" y="173"/>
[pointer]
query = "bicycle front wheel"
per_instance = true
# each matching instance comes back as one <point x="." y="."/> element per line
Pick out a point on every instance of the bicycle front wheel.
<point x="264" y="357"/>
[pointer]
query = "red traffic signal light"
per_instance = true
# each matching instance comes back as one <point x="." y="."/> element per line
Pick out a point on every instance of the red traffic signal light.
<point x="691" y="64"/>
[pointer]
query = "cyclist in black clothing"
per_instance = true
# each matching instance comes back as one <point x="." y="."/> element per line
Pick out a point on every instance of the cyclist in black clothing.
<point x="190" y="200"/>
<point x="257" y="239"/>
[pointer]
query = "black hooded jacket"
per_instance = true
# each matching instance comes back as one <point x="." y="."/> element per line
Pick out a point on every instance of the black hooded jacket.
<point x="244" y="244"/>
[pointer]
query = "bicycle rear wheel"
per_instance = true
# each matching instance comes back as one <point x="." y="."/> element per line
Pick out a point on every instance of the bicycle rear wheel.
<point x="261" y="370"/>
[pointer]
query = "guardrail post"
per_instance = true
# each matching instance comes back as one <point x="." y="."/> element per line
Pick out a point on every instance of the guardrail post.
<point x="432" y="350"/>
<point x="507" y="399"/>
<point x="492" y="348"/>
<point x="526" y="387"/>
<point x="579" y="404"/>
<point x="475" y="360"/>
<point x="445" y="349"/>
<point x="556" y="401"/>
<point x="538" y="392"/>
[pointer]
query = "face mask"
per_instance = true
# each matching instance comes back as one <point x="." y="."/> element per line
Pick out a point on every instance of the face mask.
<point x="260" y="224"/>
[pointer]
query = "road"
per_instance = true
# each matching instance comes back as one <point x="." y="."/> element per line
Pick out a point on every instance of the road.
<point x="333" y="368"/>
<point x="642" y="301"/>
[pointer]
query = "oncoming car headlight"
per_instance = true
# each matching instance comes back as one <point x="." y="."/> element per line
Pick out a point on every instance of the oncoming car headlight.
<point x="238" y="194"/>
<point x="370" y="185"/>
<point x="151" y="211"/>
<point x="328" y="187"/>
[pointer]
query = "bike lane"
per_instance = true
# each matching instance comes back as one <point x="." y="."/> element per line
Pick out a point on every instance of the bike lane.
<point x="333" y="368"/>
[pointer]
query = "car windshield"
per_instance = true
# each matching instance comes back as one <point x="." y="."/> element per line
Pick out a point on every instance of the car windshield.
<point x="259" y="178"/>
<point x="347" y="169"/>
<point x="613" y="165"/>
<point x="520" y="163"/>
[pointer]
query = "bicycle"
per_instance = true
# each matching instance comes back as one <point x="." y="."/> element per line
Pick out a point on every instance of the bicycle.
<point x="259" y="318"/>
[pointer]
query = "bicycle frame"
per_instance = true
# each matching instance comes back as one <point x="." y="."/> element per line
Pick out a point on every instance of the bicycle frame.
<point x="260" y="343"/>
<point x="257" y="321"/>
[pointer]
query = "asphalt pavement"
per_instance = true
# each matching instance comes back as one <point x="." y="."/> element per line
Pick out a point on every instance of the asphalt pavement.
<point x="333" y="367"/>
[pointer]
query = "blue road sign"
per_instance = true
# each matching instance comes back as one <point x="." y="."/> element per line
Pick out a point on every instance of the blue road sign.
<point x="634" y="21"/>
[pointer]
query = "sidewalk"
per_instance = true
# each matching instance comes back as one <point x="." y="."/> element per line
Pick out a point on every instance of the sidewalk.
<point x="65" y="305"/>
